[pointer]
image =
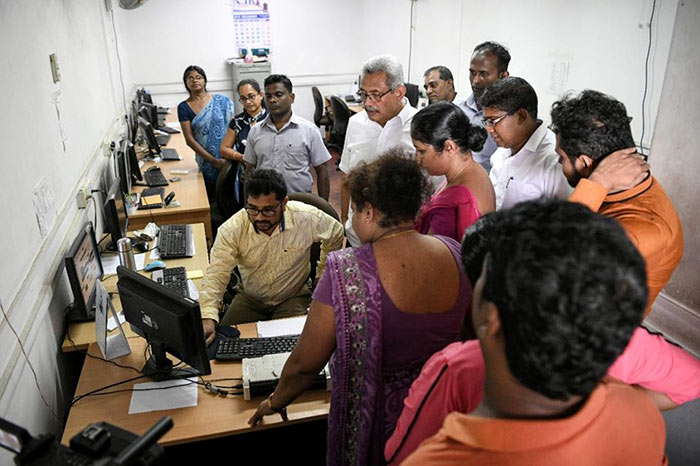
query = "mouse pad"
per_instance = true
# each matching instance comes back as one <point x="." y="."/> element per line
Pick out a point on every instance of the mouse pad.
<point x="227" y="332"/>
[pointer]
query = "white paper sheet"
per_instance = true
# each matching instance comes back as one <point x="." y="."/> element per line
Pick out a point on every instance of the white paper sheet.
<point x="111" y="324"/>
<point x="194" y="292"/>
<point x="275" y="328"/>
<point x="184" y="396"/>
<point x="111" y="261"/>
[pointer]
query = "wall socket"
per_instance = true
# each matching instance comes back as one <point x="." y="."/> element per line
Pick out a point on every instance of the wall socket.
<point x="83" y="196"/>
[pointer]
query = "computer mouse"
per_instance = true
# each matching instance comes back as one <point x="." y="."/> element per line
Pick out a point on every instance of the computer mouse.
<point x="155" y="265"/>
<point x="139" y="245"/>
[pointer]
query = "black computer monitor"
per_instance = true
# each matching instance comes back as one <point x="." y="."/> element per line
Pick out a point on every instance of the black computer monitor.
<point x="170" y="323"/>
<point x="123" y="170"/>
<point x="84" y="268"/>
<point x="133" y="162"/>
<point x="143" y="96"/>
<point x="116" y="218"/>
<point x="150" y="136"/>
<point x="133" y="120"/>
<point x="149" y="112"/>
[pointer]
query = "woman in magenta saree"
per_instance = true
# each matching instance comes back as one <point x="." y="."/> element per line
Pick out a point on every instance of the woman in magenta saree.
<point x="444" y="141"/>
<point x="378" y="312"/>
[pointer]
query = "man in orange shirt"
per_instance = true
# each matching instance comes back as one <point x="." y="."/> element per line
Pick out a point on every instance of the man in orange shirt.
<point x="589" y="127"/>
<point x="551" y="315"/>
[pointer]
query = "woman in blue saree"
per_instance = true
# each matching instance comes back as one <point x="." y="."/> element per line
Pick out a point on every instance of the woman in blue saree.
<point x="378" y="312"/>
<point x="204" y="118"/>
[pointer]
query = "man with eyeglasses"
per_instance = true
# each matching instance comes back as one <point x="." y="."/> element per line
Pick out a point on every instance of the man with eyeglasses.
<point x="270" y="241"/>
<point x="385" y="123"/>
<point x="488" y="64"/>
<point x="525" y="166"/>
<point x="288" y="143"/>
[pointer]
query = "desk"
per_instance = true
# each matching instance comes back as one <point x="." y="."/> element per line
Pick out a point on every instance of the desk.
<point x="190" y="190"/>
<point x="83" y="333"/>
<point x="214" y="416"/>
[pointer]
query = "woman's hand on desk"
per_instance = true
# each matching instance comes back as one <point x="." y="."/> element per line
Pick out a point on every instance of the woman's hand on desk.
<point x="209" y="326"/>
<point x="265" y="409"/>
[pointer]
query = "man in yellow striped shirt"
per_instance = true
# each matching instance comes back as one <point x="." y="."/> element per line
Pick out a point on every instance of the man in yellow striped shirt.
<point x="270" y="242"/>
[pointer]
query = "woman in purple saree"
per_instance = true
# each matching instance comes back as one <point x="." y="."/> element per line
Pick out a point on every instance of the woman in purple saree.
<point x="381" y="310"/>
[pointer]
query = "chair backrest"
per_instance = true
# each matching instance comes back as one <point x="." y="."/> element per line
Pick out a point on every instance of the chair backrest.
<point x="412" y="93"/>
<point x="225" y="192"/>
<point x="324" y="206"/>
<point x="341" y="116"/>
<point x="318" y="105"/>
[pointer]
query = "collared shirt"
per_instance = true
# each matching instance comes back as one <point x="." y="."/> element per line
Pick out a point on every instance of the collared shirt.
<point x="241" y="124"/>
<point x="533" y="173"/>
<point x="273" y="267"/>
<point x="366" y="139"/>
<point x="475" y="115"/>
<point x="289" y="151"/>
<point x="650" y="221"/>
<point x="617" y="424"/>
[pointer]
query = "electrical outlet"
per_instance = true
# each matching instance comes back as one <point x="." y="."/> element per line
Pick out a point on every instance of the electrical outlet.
<point x="83" y="196"/>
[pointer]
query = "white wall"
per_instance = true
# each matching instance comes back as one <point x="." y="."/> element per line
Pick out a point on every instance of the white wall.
<point x="33" y="286"/>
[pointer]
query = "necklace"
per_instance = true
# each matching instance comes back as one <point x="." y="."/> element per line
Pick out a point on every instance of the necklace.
<point x="391" y="235"/>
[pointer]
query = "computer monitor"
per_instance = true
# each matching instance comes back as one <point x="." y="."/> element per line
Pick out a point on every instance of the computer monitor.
<point x="149" y="135"/>
<point x="170" y="323"/>
<point x="116" y="218"/>
<point x="133" y="120"/>
<point x="133" y="162"/>
<point x="123" y="171"/>
<point x="84" y="268"/>
<point x="149" y="112"/>
<point x="143" y="96"/>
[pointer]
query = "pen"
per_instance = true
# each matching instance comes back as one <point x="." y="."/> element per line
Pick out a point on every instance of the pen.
<point x="508" y="182"/>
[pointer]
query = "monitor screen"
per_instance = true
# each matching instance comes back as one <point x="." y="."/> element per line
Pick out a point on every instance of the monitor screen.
<point x="133" y="162"/>
<point x="133" y="120"/>
<point x="116" y="218"/>
<point x="84" y="268"/>
<point x="150" y="113"/>
<point x="144" y="96"/>
<point x="170" y="323"/>
<point x="123" y="171"/>
<point x="149" y="135"/>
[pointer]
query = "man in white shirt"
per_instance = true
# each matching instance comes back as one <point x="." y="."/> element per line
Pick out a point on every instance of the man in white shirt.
<point x="384" y="123"/>
<point x="525" y="166"/>
<point x="439" y="84"/>
<point x="489" y="63"/>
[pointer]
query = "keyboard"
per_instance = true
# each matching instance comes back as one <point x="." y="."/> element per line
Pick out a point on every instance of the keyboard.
<point x="173" y="241"/>
<point x="169" y="154"/>
<point x="234" y="349"/>
<point x="174" y="279"/>
<point x="151" y="192"/>
<point x="155" y="178"/>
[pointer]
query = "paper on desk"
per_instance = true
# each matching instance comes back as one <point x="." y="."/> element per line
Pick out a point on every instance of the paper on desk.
<point x="275" y="328"/>
<point x="174" y="124"/>
<point x="184" y="396"/>
<point x="111" y="324"/>
<point x="111" y="261"/>
<point x="194" y="292"/>
<point x="151" y="200"/>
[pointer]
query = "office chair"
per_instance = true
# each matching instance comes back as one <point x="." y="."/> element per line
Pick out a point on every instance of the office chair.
<point x="324" y="206"/>
<point x="321" y="117"/>
<point x="412" y="94"/>
<point x="225" y="195"/>
<point x="341" y="116"/>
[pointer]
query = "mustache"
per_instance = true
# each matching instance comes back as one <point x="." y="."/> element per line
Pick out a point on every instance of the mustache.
<point x="370" y="108"/>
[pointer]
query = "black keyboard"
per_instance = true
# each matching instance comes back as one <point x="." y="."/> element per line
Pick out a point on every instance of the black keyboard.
<point x="174" y="279"/>
<point x="172" y="241"/>
<point x="155" y="178"/>
<point x="169" y="154"/>
<point x="151" y="192"/>
<point x="234" y="349"/>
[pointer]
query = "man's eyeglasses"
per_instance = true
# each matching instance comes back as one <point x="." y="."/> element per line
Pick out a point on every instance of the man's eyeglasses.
<point x="491" y="122"/>
<point x="373" y="96"/>
<point x="267" y="211"/>
<point x="245" y="98"/>
<point x="195" y="78"/>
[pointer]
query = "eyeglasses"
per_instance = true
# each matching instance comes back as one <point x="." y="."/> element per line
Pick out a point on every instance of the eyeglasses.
<point x="195" y="78"/>
<point x="245" y="98"/>
<point x="491" y="122"/>
<point x="267" y="212"/>
<point x="373" y="96"/>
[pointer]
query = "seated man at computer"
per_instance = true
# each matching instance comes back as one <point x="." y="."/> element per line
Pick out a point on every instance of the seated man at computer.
<point x="288" y="143"/>
<point x="547" y="343"/>
<point x="593" y="136"/>
<point x="439" y="84"/>
<point x="269" y="240"/>
<point x="526" y="165"/>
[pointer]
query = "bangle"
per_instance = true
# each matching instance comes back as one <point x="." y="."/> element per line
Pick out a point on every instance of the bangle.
<point x="269" y="405"/>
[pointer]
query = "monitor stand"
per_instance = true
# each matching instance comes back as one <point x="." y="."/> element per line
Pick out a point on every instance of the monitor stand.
<point x="160" y="368"/>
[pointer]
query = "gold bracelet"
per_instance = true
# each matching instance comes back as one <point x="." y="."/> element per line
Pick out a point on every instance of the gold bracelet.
<point x="269" y="405"/>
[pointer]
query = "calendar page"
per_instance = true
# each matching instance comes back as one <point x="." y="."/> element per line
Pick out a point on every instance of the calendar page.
<point x="251" y="22"/>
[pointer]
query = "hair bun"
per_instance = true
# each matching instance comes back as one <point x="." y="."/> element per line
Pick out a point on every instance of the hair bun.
<point x="477" y="138"/>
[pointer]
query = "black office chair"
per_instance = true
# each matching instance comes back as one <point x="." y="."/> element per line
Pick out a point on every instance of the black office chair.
<point x="341" y="116"/>
<point x="225" y="195"/>
<point x="412" y="93"/>
<point x="321" y="117"/>
<point x="324" y="206"/>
